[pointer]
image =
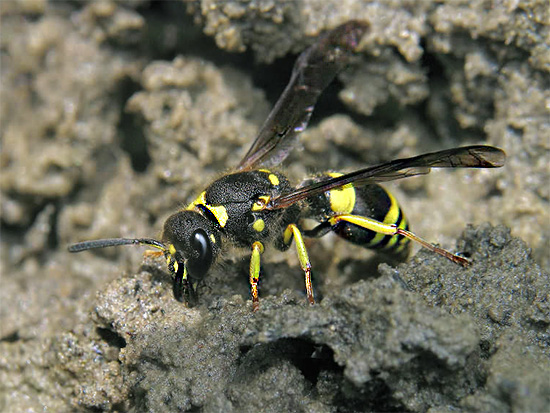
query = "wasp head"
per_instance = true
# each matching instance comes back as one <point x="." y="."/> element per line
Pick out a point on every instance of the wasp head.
<point x="192" y="245"/>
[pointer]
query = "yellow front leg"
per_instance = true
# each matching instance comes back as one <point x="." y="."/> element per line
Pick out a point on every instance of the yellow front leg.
<point x="292" y="231"/>
<point x="257" y="250"/>
<point x="392" y="229"/>
<point x="153" y="253"/>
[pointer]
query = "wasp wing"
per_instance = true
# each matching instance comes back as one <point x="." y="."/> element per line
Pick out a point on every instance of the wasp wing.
<point x="477" y="156"/>
<point x="314" y="69"/>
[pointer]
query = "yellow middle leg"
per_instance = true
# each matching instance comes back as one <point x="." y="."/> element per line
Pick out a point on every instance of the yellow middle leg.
<point x="153" y="253"/>
<point x="257" y="250"/>
<point x="292" y="231"/>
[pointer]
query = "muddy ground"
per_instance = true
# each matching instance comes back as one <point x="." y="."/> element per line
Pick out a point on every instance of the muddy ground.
<point x="115" y="114"/>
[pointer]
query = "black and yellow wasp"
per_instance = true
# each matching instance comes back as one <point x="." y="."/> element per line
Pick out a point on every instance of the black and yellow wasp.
<point x="254" y="206"/>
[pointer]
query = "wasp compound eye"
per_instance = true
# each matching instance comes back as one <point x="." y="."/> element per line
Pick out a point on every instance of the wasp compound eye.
<point x="201" y="244"/>
<point x="202" y="258"/>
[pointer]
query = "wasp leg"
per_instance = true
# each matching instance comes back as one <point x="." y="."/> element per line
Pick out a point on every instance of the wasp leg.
<point x="257" y="250"/>
<point x="292" y="231"/>
<point x="180" y="286"/>
<point x="153" y="253"/>
<point x="319" y="231"/>
<point x="191" y="292"/>
<point x="391" y="229"/>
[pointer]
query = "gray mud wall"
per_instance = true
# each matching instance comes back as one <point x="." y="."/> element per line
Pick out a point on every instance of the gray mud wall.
<point x="115" y="114"/>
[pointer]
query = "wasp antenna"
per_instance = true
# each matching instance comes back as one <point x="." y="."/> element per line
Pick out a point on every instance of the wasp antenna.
<point x="113" y="242"/>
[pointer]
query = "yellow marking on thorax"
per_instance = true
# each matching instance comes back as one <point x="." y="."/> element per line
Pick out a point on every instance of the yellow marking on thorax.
<point x="342" y="200"/>
<point x="258" y="225"/>
<point x="201" y="200"/>
<point x="260" y="204"/>
<point x="272" y="177"/>
<point x="170" y="258"/>
<point x="219" y="211"/>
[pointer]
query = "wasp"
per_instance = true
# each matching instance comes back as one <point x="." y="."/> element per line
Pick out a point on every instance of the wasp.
<point x="255" y="206"/>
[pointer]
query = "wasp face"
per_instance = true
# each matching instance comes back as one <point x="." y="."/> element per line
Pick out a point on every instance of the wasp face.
<point x="192" y="246"/>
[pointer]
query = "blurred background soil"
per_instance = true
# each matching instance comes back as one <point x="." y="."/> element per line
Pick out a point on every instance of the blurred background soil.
<point x="115" y="114"/>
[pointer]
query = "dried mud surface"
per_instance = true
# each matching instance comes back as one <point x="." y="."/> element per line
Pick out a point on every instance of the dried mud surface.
<point x="114" y="114"/>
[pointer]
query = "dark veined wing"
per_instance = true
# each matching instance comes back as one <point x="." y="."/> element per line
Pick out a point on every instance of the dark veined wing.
<point x="477" y="156"/>
<point x="314" y="69"/>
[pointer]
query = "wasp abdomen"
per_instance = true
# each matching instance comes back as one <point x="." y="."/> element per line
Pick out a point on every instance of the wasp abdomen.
<point x="371" y="201"/>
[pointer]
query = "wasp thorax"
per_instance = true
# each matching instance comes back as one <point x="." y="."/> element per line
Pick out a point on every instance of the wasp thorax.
<point x="193" y="241"/>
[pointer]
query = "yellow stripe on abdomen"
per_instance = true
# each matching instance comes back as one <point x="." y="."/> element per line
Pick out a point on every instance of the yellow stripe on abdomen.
<point x="342" y="200"/>
<point x="391" y="217"/>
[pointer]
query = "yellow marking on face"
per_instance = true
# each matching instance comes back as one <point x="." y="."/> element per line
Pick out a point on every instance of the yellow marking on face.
<point x="342" y="200"/>
<point x="172" y="249"/>
<point x="201" y="200"/>
<point x="258" y="225"/>
<point x="267" y="171"/>
<point x="273" y="179"/>
<point x="260" y="204"/>
<point x="170" y="260"/>
<point x="212" y="238"/>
